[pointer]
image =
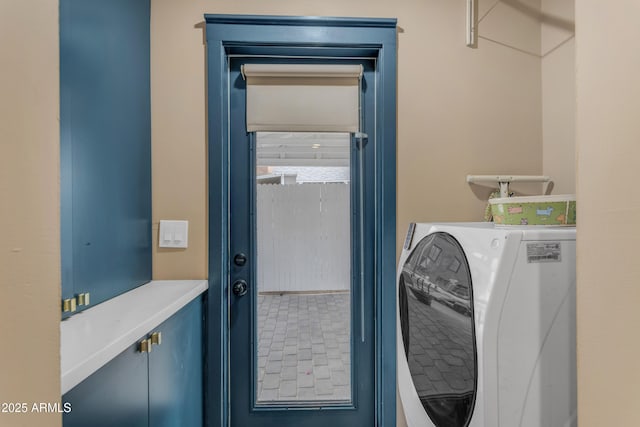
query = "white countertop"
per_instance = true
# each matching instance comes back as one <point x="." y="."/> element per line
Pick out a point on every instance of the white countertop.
<point x="90" y="339"/>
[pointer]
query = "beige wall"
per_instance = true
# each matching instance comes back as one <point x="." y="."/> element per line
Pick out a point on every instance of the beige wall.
<point x="558" y="94"/>
<point x="460" y="110"/>
<point x="608" y="153"/>
<point x="178" y="131"/>
<point x="29" y="247"/>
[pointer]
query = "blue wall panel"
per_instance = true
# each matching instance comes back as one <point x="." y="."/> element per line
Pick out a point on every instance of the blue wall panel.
<point x="105" y="120"/>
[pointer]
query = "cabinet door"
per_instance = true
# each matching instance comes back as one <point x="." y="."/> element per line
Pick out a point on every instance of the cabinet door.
<point x="105" y="147"/>
<point x="175" y="371"/>
<point x="115" y="395"/>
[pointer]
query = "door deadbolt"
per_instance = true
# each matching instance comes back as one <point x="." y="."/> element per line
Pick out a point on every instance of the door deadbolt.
<point x="239" y="288"/>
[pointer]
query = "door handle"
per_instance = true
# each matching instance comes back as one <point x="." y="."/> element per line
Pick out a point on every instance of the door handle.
<point x="240" y="259"/>
<point x="239" y="288"/>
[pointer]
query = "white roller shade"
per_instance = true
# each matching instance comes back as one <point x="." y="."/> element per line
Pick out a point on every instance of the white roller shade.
<point x="302" y="97"/>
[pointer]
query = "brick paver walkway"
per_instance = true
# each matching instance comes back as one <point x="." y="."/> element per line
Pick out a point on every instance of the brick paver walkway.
<point x="304" y="347"/>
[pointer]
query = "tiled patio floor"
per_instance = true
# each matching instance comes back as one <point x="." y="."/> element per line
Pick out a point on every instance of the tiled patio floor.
<point x="303" y="347"/>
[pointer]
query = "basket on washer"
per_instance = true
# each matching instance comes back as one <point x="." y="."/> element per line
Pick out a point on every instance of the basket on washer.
<point x="555" y="210"/>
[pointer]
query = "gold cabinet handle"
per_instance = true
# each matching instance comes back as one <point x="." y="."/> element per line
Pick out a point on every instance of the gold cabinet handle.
<point x="69" y="305"/>
<point x="156" y="338"/>
<point x="83" y="299"/>
<point x="145" y="346"/>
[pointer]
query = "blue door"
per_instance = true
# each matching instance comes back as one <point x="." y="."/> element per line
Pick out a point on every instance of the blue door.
<point x="301" y="301"/>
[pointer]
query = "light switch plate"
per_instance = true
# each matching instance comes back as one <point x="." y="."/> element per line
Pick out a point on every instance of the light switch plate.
<point x="173" y="234"/>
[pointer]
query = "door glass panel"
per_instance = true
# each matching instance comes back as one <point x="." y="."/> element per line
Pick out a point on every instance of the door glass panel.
<point x="436" y="320"/>
<point x="303" y="272"/>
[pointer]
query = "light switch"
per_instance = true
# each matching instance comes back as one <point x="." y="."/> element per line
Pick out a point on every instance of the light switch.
<point x="174" y="234"/>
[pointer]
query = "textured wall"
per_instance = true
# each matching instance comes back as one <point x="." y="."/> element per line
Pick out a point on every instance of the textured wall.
<point x="608" y="149"/>
<point x="559" y="94"/>
<point x="30" y="243"/>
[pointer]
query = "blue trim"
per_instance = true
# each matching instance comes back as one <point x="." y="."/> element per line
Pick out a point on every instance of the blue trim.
<point x="66" y="157"/>
<point x="306" y="21"/>
<point x="299" y="36"/>
<point x="216" y="325"/>
<point x="302" y="51"/>
<point x="386" y="239"/>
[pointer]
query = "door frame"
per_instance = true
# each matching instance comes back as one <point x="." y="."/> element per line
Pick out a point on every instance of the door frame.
<point x="318" y="37"/>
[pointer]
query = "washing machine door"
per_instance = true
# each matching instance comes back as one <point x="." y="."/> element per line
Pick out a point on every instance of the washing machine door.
<point x="435" y="297"/>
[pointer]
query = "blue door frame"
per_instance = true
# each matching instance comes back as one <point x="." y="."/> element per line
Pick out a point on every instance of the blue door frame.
<point x="316" y="37"/>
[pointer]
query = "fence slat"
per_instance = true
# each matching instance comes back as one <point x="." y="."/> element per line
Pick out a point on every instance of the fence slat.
<point x="304" y="234"/>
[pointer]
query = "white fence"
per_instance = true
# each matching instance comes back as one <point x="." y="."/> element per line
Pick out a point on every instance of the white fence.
<point x="304" y="237"/>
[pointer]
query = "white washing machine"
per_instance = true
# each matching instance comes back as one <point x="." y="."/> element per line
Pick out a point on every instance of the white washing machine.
<point x="486" y="326"/>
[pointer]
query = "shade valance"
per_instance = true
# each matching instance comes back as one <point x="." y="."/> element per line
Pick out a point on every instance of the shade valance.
<point x="302" y="97"/>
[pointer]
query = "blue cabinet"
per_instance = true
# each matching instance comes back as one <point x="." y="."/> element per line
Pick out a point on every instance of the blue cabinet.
<point x="175" y="371"/>
<point x="105" y="147"/>
<point x="116" y="395"/>
<point x="162" y="387"/>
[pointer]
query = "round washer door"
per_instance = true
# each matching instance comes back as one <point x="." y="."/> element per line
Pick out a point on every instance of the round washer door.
<point x="435" y="296"/>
